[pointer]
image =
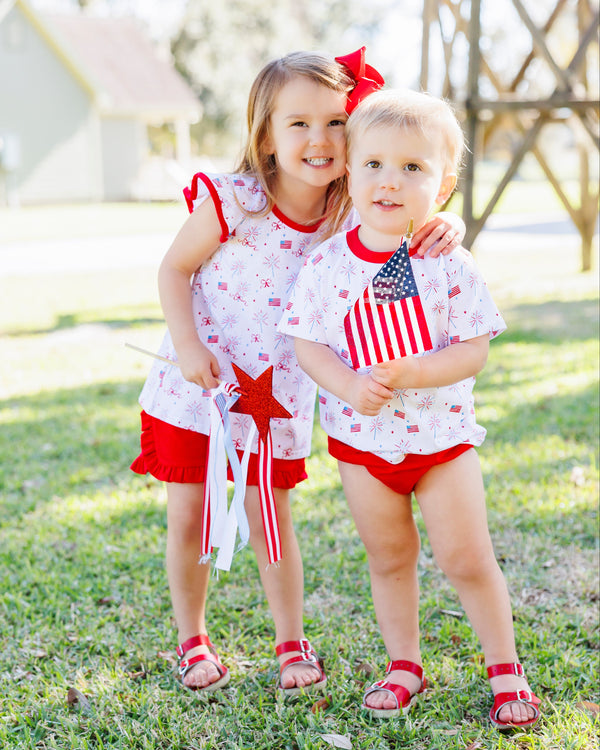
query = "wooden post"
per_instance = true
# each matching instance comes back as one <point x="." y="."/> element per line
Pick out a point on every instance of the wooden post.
<point x="472" y="120"/>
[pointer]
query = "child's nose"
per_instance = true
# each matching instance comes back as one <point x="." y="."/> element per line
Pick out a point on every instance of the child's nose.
<point x="390" y="179"/>
<point x="318" y="135"/>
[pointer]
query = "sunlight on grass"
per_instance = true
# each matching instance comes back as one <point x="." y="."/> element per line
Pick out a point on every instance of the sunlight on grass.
<point x="84" y="600"/>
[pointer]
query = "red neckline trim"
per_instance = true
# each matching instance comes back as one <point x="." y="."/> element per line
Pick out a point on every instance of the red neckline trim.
<point x="309" y="229"/>
<point x="362" y="252"/>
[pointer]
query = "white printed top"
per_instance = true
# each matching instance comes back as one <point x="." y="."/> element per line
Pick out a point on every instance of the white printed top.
<point x="457" y="306"/>
<point x="239" y="295"/>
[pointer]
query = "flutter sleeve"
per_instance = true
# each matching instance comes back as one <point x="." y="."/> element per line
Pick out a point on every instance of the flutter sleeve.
<point x="234" y="197"/>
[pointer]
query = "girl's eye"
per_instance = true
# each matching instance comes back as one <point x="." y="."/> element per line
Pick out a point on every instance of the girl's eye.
<point x="373" y="164"/>
<point x="299" y="124"/>
<point x="412" y="168"/>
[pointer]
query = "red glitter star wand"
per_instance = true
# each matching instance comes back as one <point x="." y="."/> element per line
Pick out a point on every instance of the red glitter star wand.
<point x="257" y="400"/>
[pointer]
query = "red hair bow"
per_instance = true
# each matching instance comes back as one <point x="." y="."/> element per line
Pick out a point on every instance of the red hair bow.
<point x="367" y="78"/>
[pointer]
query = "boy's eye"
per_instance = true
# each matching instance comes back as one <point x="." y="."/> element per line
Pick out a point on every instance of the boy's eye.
<point x="412" y="167"/>
<point x="373" y="164"/>
<point x="338" y="122"/>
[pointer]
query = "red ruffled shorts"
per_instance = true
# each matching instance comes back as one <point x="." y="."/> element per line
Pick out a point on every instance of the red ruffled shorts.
<point x="402" y="477"/>
<point x="173" y="454"/>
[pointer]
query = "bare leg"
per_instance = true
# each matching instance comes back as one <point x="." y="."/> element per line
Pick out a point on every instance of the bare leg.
<point x="188" y="581"/>
<point x="283" y="583"/>
<point x="387" y="528"/>
<point x="452" y="500"/>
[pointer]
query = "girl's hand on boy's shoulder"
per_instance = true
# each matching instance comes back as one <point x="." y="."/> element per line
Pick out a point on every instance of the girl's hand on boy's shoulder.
<point x="398" y="373"/>
<point x="442" y="234"/>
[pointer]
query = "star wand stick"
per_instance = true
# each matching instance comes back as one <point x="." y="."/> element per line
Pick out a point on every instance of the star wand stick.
<point x="152" y="354"/>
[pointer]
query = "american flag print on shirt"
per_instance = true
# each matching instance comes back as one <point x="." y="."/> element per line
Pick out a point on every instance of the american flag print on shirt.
<point x="388" y="321"/>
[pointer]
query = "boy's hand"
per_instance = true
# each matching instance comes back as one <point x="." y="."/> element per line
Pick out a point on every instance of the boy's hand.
<point x="398" y="373"/>
<point x="368" y="397"/>
<point x="445" y="228"/>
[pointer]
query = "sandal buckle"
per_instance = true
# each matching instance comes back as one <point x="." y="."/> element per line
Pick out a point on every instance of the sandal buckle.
<point x="304" y="646"/>
<point x="183" y="666"/>
<point x="519" y="671"/>
<point x="524" y="696"/>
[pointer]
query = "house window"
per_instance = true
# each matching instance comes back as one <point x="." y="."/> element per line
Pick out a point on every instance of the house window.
<point x="162" y="140"/>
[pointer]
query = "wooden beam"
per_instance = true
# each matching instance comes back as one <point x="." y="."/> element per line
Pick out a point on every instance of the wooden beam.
<point x="472" y="114"/>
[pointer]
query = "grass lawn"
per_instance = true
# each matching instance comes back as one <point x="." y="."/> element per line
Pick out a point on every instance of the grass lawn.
<point x="86" y="633"/>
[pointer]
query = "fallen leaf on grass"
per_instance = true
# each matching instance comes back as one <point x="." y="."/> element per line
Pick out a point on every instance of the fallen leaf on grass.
<point x="337" y="740"/>
<point x="104" y="600"/>
<point x="593" y="708"/>
<point x="38" y="653"/>
<point x="474" y="746"/>
<point x="21" y="674"/>
<point x="452" y="613"/>
<point x="321" y="704"/>
<point x="365" y="668"/>
<point x="77" y="699"/>
<point x="168" y="656"/>
<point x="142" y="674"/>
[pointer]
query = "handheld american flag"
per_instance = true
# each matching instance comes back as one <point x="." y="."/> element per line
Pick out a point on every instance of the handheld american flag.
<point x="387" y="321"/>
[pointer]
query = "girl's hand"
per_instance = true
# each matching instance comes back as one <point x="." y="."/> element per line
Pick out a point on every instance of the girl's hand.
<point x="368" y="397"/>
<point x="445" y="228"/>
<point x="199" y="365"/>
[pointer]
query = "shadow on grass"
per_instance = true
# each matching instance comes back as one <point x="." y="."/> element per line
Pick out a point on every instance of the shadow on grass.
<point x="552" y="322"/>
<point x="66" y="441"/>
<point x="81" y="441"/>
<point x="72" y="321"/>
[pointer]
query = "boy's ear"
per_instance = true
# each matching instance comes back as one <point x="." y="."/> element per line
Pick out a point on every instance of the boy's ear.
<point x="446" y="188"/>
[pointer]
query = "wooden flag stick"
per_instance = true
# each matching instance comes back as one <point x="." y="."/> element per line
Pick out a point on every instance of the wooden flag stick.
<point x="152" y="354"/>
<point x="409" y="229"/>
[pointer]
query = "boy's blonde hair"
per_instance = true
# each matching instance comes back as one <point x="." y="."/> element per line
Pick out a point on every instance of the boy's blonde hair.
<point x="261" y="102"/>
<point x="410" y="109"/>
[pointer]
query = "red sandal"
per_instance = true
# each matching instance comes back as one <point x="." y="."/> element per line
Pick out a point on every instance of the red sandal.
<point x="308" y="654"/>
<point x="186" y="664"/>
<point x="517" y="696"/>
<point x="404" y="698"/>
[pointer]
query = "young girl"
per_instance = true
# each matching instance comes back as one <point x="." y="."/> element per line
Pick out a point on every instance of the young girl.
<point x="394" y="341"/>
<point x="242" y="247"/>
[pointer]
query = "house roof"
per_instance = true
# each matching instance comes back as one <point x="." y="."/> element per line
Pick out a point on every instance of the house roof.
<point x="118" y="64"/>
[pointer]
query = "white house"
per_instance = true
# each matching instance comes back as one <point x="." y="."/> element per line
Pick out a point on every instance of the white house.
<point x="78" y="98"/>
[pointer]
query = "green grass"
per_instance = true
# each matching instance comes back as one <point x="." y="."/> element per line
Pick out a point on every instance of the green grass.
<point x="83" y="596"/>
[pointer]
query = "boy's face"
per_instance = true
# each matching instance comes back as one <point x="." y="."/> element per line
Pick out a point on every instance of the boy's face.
<point x="395" y="175"/>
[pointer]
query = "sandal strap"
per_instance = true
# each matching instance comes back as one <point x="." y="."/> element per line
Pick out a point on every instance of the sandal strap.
<point x="195" y="640"/>
<point x="307" y="654"/>
<point x="303" y="645"/>
<point x="517" y="696"/>
<point x="402" y="695"/>
<point x="186" y="664"/>
<point x="405" y="666"/>
<point x="496" y="670"/>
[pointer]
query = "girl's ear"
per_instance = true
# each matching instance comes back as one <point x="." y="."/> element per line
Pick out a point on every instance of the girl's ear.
<point x="446" y="188"/>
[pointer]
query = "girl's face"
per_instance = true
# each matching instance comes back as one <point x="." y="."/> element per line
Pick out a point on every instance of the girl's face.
<point x="306" y="134"/>
<point x="395" y="175"/>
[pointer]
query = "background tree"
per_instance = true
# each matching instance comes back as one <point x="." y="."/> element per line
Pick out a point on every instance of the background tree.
<point x="220" y="48"/>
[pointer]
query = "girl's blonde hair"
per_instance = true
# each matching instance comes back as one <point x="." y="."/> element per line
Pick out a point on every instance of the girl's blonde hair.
<point x="261" y="102"/>
<point x="430" y="115"/>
